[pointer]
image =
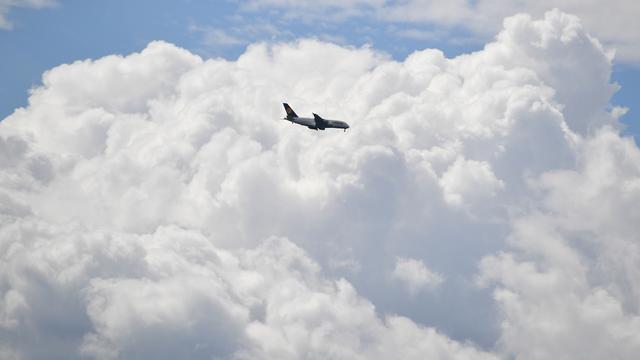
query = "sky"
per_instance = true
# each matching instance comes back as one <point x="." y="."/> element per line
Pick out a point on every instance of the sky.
<point x="482" y="205"/>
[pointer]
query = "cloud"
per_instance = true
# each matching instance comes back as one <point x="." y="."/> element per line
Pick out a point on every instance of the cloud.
<point x="239" y="35"/>
<point x="153" y="205"/>
<point x="573" y="271"/>
<point x="485" y="17"/>
<point x="172" y="293"/>
<point x="6" y="5"/>
<point x="218" y="37"/>
<point x="415" y="275"/>
<point x="482" y="17"/>
<point x="467" y="179"/>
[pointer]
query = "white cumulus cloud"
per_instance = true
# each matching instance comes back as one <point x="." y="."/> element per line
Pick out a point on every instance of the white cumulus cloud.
<point x="570" y="283"/>
<point x="154" y="206"/>
<point x="469" y="179"/>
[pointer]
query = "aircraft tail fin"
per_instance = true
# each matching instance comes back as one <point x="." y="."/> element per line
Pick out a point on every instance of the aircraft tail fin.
<point x="289" y="110"/>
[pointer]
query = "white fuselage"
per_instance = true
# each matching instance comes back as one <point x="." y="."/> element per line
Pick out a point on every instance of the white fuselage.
<point x="311" y="123"/>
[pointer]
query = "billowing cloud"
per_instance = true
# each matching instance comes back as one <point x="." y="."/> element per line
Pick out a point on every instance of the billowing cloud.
<point x="153" y="205"/>
<point x="469" y="179"/>
<point x="6" y="5"/>
<point x="572" y="274"/>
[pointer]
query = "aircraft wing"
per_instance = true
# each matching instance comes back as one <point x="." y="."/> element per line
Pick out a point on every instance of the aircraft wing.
<point x="320" y="122"/>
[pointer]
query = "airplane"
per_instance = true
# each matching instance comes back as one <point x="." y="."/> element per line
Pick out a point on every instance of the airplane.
<point x="315" y="123"/>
